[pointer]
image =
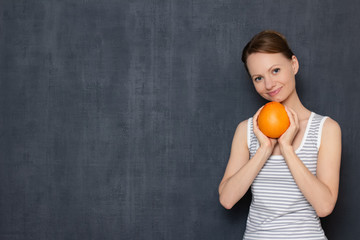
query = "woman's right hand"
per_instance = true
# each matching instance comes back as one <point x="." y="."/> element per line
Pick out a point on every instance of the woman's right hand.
<point x="265" y="142"/>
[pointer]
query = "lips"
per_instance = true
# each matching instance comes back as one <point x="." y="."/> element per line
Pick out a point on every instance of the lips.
<point x="273" y="93"/>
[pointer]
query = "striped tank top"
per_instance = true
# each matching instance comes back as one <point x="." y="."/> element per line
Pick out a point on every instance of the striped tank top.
<point x="278" y="209"/>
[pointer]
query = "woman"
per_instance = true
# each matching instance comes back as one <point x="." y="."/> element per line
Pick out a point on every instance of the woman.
<point x="294" y="179"/>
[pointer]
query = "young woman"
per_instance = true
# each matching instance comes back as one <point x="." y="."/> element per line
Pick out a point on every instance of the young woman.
<point x="294" y="179"/>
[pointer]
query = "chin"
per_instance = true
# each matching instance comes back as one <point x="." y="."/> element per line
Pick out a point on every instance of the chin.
<point x="275" y="99"/>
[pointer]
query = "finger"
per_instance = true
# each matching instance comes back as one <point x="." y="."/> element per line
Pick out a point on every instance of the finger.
<point x="255" y="117"/>
<point x="290" y="115"/>
<point x="295" y="116"/>
<point x="273" y="141"/>
<point x="257" y="113"/>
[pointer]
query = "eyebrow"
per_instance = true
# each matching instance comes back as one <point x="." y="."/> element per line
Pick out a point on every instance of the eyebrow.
<point x="277" y="64"/>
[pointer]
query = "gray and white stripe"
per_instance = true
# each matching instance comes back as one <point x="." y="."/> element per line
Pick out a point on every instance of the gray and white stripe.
<point x="278" y="209"/>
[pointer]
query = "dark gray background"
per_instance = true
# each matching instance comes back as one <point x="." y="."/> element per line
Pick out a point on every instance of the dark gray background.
<point x="116" y="117"/>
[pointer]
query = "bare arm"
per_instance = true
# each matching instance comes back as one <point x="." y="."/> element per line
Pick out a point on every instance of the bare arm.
<point x="321" y="190"/>
<point x="240" y="171"/>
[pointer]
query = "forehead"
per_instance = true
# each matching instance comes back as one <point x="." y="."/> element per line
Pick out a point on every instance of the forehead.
<point x="260" y="62"/>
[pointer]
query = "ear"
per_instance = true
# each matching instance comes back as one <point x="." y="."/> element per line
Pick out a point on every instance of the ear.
<point x="295" y="64"/>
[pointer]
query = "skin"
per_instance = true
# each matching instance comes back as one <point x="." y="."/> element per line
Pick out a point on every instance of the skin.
<point x="273" y="76"/>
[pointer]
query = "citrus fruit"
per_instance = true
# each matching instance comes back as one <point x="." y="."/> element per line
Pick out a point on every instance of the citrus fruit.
<point x="273" y="120"/>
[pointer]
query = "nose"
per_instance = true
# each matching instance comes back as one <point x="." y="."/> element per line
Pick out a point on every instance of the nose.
<point x="269" y="83"/>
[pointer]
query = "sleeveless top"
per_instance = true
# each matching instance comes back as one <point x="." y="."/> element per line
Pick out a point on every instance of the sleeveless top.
<point x="278" y="209"/>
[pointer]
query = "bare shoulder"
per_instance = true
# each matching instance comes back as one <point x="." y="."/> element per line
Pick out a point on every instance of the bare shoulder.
<point x="331" y="127"/>
<point x="242" y="126"/>
<point x="331" y="133"/>
<point x="240" y="137"/>
<point x="239" y="153"/>
<point x="241" y="131"/>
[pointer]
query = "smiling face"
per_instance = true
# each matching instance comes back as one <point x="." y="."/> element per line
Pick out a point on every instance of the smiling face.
<point x="273" y="75"/>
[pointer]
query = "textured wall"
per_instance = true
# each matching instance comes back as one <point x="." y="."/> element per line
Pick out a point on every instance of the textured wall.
<point x="116" y="117"/>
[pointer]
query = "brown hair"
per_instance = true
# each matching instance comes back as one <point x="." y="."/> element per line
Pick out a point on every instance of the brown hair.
<point x="267" y="41"/>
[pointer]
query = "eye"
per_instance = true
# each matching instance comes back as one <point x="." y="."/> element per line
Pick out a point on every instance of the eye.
<point x="256" y="79"/>
<point x="276" y="70"/>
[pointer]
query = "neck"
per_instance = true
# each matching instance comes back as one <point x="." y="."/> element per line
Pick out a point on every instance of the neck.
<point x="294" y="103"/>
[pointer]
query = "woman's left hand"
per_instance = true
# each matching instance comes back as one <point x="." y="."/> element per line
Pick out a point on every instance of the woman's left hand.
<point x="288" y="136"/>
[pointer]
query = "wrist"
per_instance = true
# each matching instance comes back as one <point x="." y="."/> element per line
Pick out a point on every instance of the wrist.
<point x="286" y="149"/>
<point x="265" y="151"/>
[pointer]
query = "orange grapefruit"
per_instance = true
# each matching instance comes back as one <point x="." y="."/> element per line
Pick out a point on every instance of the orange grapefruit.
<point x="273" y="120"/>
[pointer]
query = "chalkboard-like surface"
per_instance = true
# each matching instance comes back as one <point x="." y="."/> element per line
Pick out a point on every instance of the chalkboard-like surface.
<point x="116" y="117"/>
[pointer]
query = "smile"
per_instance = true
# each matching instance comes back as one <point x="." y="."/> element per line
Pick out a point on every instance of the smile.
<point x="273" y="93"/>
